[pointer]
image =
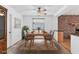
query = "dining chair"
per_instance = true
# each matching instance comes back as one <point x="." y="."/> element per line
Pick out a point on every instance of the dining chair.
<point x="49" y="37"/>
<point x="29" y="37"/>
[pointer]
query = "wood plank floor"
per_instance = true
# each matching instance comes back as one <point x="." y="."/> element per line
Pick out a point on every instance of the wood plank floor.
<point x="37" y="48"/>
<point x="3" y="46"/>
<point x="67" y="43"/>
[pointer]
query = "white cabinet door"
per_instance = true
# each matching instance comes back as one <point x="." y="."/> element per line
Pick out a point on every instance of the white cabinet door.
<point x="74" y="44"/>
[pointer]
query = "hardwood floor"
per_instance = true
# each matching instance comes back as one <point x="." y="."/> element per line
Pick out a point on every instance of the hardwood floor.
<point x="3" y="46"/>
<point x="37" y="48"/>
<point x="66" y="44"/>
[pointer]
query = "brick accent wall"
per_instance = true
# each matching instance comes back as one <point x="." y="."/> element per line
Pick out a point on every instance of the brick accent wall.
<point x="65" y="23"/>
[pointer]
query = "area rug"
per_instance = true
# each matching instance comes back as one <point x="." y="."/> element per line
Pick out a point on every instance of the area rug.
<point x="37" y="47"/>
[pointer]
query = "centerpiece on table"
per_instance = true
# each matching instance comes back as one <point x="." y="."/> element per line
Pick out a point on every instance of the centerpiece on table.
<point x="39" y="29"/>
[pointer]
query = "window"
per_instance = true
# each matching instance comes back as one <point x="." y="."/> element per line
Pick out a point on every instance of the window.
<point x="38" y="23"/>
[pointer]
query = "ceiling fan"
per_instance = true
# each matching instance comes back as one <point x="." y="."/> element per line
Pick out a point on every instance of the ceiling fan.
<point x="41" y="11"/>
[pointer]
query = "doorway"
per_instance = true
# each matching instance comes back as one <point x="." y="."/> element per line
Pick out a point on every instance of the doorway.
<point x="3" y="29"/>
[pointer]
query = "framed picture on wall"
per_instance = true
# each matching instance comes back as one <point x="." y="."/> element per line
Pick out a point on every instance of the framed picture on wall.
<point x="17" y="23"/>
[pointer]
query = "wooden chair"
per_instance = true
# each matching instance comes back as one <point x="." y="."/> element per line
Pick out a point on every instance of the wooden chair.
<point x="48" y="37"/>
<point x="29" y="37"/>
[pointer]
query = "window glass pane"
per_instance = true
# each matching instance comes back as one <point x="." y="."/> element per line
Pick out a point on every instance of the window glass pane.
<point x="38" y="23"/>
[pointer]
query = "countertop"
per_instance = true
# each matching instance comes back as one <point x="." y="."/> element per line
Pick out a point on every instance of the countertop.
<point x="77" y="34"/>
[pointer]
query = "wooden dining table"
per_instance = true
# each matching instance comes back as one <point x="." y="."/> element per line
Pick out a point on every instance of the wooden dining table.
<point x="44" y="35"/>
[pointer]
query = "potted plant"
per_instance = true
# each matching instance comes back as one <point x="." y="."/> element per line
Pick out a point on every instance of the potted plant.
<point x="24" y="29"/>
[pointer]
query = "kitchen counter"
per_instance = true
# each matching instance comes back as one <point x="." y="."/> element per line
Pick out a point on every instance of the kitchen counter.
<point x="76" y="34"/>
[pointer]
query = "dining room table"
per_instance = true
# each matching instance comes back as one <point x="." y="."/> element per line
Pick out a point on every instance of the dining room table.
<point x="43" y="35"/>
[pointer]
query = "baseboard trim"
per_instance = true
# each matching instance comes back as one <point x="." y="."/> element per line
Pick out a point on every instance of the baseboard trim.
<point x="13" y="44"/>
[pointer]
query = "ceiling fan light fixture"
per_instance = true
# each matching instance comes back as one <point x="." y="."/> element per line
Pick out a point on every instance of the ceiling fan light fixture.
<point x="41" y="11"/>
<point x="45" y="13"/>
<point x="44" y="10"/>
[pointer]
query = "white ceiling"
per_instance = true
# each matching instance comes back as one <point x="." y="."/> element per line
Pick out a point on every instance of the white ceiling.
<point x="72" y="10"/>
<point x="69" y="10"/>
<point x="31" y="9"/>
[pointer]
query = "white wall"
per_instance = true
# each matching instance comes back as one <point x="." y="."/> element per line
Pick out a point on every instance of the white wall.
<point x="16" y="32"/>
<point x="51" y="22"/>
<point x="48" y="23"/>
<point x="27" y="20"/>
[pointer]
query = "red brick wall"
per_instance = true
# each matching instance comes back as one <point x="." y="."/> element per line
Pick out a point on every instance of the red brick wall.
<point x="64" y="23"/>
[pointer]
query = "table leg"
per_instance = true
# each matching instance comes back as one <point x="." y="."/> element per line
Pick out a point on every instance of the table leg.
<point x="46" y="44"/>
<point x="51" y="43"/>
<point x="30" y="45"/>
<point x="25" y="42"/>
<point x="33" y="42"/>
